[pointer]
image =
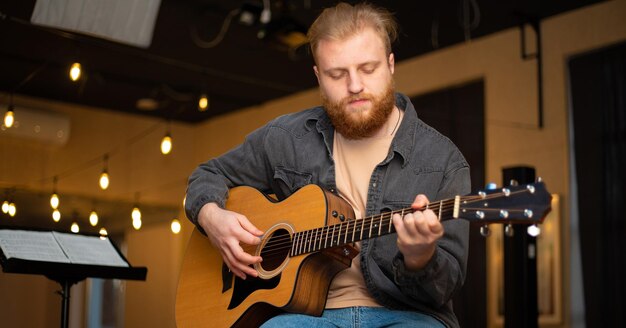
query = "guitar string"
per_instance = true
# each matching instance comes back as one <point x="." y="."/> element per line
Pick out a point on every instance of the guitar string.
<point x="313" y="243"/>
<point x="319" y="233"/>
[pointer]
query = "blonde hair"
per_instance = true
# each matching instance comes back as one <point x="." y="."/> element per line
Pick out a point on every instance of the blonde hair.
<point x="345" y="20"/>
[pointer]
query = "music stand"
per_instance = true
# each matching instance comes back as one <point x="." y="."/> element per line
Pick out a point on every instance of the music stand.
<point x="65" y="273"/>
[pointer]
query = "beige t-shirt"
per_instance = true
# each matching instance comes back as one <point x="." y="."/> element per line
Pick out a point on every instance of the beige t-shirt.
<point x="355" y="161"/>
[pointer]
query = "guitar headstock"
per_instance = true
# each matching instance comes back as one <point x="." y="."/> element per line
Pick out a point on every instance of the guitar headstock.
<point x="528" y="204"/>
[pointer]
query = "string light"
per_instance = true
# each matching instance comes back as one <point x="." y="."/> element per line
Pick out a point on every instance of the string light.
<point x="166" y="144"/>
<point x="75" y="228"/>
<point x="175" y="226"/>
<point x="103" y="233"/>
<point x="56" y="215"/>
<point x="9" y="117"/>
<point x="203" y="102"/>
<point x="104" y="176"/>
<point x="75" y="71"/>
<point x="136" y="214"/>
<point x="93" y="218"/>
<point x="54" y="198"/>
<point x="12" y="209"/>
<point x="5" y="207"/>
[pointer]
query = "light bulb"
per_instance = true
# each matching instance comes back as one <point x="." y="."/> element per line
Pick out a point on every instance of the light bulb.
<point x="104" y="180"/>
<point x="137" y="224"/>
<point x="175" y="226"/>
<point x="75" y="71"/>
<point x="103" y="232"/>
<point x="203" y="103"/>
<point x="93" y="218"/>
<point x="74" y="228"/>
<point x="54" y="201"/>
<point x="136" y="214"/>
<point x="12" y="209"/>
<point x="9" y="118"/>
<point x="56" y="215"/>
<point x="5" y="207"/>
<point x="166" y="144"/>
<point x="533" y="230"/>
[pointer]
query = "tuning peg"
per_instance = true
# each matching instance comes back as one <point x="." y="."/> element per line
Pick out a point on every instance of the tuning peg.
<point x="508" y="230"/>
<point x="485" y="231"/>
<point x="533" y="230"/>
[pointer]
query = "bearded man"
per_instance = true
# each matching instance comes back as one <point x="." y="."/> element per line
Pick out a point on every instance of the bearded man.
<point x="367" y="145"/>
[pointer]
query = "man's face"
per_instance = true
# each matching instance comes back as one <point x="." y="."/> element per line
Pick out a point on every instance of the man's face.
<point x="356" y="83"/>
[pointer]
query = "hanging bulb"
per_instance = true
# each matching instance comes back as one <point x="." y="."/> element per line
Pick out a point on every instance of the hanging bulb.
<point x="104" y="180"/>
<point x="54" y="201"/>
<point x="5" y="207"/>
<point x="137" y="224"/>
<point x="75" y="71"/>
<point x="9" y="117"/>
<point x="103" y="232"/>
<point x="136" y="214"/>
<point x="203" y="102"/>
<point x="56" y="215"/>
<point x="93" y="218"/>
<point x="166" y="144"/>
<point x="74" y="228"/>
<point x="175" y="226"/>
<point x="12" y="209"/>
<point x="104" y="176"/>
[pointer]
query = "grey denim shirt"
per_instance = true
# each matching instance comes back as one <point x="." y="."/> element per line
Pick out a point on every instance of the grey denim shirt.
<point x="296" y="149"/>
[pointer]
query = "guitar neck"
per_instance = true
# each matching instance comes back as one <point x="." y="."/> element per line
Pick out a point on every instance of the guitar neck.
<point x="356" y="230"/>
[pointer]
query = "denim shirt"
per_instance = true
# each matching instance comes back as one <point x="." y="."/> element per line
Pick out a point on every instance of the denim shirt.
<point x="296" y="149"/>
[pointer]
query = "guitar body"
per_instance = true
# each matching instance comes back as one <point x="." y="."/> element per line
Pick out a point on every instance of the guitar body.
<point x="209" y="295"/>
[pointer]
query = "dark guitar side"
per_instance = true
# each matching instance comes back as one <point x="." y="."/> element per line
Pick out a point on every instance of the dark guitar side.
<point x="303" y="283"/>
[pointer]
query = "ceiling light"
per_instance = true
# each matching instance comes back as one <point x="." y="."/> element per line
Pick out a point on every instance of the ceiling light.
<point x="203" y="102"/>
<point x="54" y="198"/>
<point x="103" y="232"/>
<point x="166" y="144"/>
<point x="75" y="72"/>
<point x="9" y="117"/>
<point x="56" y="215"/>
<point x="5" y="207"/>
<point x="104" y="176"/>
<point x="75" y="228"/>
<point x="136" y="214"/>
<point x="12" y="209"/>
<point x="175" y="226"/>
<point x="93" y="218"/>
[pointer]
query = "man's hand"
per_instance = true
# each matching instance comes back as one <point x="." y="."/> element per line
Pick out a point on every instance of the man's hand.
<point x="226" y="230"/>
<point x="418" y="233"/>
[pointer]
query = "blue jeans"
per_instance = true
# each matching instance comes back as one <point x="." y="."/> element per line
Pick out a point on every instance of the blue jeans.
<point x="355" y="317"/>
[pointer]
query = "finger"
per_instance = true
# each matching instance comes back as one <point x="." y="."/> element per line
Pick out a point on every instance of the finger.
<point x="421" y="201"/>
<point x="248" y="226"/>
<point x="247" y="237"/>
<point x="412" y="221"/>
<point x="398" y="224"/>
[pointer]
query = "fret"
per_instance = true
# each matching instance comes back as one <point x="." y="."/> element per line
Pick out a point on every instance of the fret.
<point x="354" y="230"/>
<point x="370" y="233"/>
<point x="362" y="228"/>
<point x="303" y="242"/>
<point x="332" y="237"/>
<point x="326" y="238"/>
<point x="314" y="240"/>
<point x="440" y="209"/>
<point x="321" y="238"/>
<point x="380" y="224"/>
<point x="345" y="238"/>
<point x="339" y="234"/>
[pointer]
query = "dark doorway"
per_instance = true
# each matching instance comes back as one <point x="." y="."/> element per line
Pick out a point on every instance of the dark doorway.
<point x="598" y="94"/>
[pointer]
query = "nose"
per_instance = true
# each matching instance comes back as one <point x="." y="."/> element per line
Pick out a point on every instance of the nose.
<point x="355" y="84"/>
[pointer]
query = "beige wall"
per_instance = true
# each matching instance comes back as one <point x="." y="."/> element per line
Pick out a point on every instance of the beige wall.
<point x="512" y="138"/>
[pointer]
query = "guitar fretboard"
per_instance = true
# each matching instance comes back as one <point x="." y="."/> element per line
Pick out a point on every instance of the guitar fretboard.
<point x="356" y="230"/>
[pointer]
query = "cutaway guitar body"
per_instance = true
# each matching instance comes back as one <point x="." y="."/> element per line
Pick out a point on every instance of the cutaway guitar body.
<point x="209" y="295"/>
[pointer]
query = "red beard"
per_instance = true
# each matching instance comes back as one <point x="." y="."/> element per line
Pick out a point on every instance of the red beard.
<point x="354" y="126"/>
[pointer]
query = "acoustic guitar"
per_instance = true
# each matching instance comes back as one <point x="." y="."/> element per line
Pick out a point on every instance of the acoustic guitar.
<point x="307" y="241"/>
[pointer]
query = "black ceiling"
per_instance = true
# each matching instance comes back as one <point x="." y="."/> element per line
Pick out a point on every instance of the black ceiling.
<point x="241" y="71"/>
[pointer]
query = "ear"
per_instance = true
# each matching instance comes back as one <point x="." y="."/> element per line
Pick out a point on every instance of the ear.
<point x="391" y="63"/>
<point x="317" y="73"/>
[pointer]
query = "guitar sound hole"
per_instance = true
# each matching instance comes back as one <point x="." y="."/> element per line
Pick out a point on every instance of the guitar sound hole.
<point x="276" y="250"/>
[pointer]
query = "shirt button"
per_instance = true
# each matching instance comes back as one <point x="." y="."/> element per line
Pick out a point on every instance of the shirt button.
<point x="374" y="184"/>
